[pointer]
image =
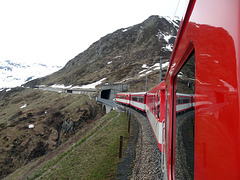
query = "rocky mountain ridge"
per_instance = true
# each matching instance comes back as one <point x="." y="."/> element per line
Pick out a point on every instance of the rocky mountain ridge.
<point x="119" y="56"/>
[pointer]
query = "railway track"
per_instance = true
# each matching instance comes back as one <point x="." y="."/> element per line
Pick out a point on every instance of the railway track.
<point x="146" y="163"/>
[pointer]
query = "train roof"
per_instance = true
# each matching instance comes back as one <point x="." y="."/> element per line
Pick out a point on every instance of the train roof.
<point x="138" y="93"/>
<point x="124" y="93"/>
<point x="160" y="86"/>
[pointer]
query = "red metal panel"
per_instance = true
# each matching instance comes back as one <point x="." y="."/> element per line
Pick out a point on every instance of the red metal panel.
<point x="213" y="30"/>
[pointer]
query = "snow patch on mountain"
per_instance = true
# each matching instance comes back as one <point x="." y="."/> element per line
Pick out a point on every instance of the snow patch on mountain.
<point x="150" y="69"/>
<point x="90" y="86"/>
<point x="87" y="86"/>
<point x="14" y="74"/>
<point x="174" y="21"/>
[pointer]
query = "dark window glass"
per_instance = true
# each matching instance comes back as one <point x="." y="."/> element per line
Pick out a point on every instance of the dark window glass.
<point x="185" y="121"/>
<point x="158" y="104"/>
<point x="134" y="98"/>
<point x="141" y="99"/>
<point x="154" y="104"/>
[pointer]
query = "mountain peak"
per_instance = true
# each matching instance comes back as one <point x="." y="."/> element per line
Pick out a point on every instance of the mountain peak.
<point x="133" y="46"/>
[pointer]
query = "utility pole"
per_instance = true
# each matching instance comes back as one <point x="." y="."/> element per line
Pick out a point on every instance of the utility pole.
<point x="146" y="83"/>
<point x="160" y="69"/>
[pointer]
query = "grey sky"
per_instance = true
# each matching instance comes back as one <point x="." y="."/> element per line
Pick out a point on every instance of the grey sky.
<point x="54" y="31"/>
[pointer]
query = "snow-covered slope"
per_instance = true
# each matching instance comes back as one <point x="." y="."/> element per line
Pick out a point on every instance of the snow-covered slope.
<point x="14" y="74"/>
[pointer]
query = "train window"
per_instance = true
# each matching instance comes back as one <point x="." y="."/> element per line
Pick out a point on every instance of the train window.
<point x="158" y="105"/>
<point x="154" y="104"/>
<point x="185" y="121"/>
<point x="134" y="98"/>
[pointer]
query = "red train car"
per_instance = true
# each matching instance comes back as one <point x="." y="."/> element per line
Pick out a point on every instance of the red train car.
<point x="204" y="142"/>
<point x="184" y="102"/>
<point x="123" y="98"/>
<point x="155" y="104"/>
<point x="138" y="100"/>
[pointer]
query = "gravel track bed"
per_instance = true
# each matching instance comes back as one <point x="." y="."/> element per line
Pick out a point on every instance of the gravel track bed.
<point x="142" y="157"/>
<point x="147" y="160"/>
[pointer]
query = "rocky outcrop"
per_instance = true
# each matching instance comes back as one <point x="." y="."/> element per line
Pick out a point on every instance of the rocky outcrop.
<point x="52" y="127"/>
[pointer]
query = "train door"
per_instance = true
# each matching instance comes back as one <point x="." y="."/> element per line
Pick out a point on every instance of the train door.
<point x="165" y="154"/>
<point x="158" y="104"/>
<point x="183" y="136"/>
<point x="161" y="106"/>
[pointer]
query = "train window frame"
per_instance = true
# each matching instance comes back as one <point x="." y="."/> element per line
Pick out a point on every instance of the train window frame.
<point x="178" y="130"/>
<point x="168" y="127"/>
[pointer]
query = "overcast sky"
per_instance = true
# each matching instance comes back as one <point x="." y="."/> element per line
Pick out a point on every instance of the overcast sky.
<point x="55" y="31"/>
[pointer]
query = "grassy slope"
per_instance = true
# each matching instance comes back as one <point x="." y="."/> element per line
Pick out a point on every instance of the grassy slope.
<point x="47" y="111"/>
<point x="94" y="156"/>
<point x="35" y="101"/>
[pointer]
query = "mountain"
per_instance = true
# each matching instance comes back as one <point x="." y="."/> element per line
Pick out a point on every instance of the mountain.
<point x="14" y="74"/>
<point x="119" y="56"/>
<point x="49" y="125"/>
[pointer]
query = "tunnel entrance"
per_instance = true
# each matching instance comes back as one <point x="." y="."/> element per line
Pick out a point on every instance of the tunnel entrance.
<point x="105" y="94"/>
<point x="69" y="91"/>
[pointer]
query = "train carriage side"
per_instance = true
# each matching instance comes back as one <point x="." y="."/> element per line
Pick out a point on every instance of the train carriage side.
<point x="123" y="98"/>
<point x="138" y="101"/>
<point x="204" y="143"/>
<point x="155" y="99"/>
<point x="184" y="102"/>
